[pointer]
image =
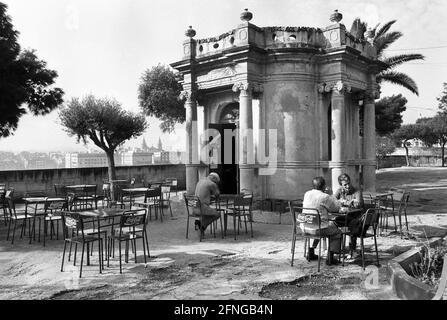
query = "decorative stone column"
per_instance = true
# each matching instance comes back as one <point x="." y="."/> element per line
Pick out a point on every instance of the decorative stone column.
<point x="369" y="141"/>
<point x="192" y="148"/>
<point x="338" y="131"/>
<point x="246" y="145"/>
<point x="190" y="94"/>
<point x="323" y="124"/>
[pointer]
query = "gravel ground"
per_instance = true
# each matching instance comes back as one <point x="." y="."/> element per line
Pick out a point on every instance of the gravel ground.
<point x="216" y="268"/>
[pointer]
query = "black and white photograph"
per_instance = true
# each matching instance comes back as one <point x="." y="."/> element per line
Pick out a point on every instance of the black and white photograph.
<point x="227" y="158"/>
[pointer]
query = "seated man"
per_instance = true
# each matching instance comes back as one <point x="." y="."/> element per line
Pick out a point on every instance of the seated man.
<point x="351" y="197"/>
<point x="206" y="188"/>
<point x="325" y="203"/>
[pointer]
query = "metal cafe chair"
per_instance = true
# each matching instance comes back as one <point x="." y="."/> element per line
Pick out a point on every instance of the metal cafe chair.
<point x="132" y="227"/>
<point x="310" y="219"/>
<point x="53" y="211"/>
<point x="15" y="216"/>
<point x="165" y="198"/>
<point x="194" y="210"/>
<point x="241" y="208"/>
<point x="152" y="200"/>
<point x="370" y="222"/>
<point x="173" y="182"/>
<point x="74" y="234"/>
<point x="36" y="211"/>
<point x="403" y="203"/>
<point x="386" y="204"/>
<point x="3" y="204"/>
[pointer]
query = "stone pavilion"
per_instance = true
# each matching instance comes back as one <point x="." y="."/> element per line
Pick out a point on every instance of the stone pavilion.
<point x="313" y="88"/>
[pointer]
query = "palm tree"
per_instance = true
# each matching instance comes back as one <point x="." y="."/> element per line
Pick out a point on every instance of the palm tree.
<point x="381" y="40"/>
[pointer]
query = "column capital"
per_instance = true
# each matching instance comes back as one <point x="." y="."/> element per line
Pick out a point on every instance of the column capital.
<point x="247" y="88"/>
<point x="189" y="95"/>
<point x="372" y="94"/>
<point x="339" y="87"/>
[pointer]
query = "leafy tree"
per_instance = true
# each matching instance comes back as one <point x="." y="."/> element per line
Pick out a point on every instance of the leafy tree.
<point x="24" y="80"/>
<point x="435" y="131"/>
<point x="384" y="147"/>
<point x="104" y="122"/>
<point x="443" y="99"/>
<point x="389" y="113"/>
<point x="382" y="38"/>
<point x="406" y="133"/>
<point x="158" y="96"/>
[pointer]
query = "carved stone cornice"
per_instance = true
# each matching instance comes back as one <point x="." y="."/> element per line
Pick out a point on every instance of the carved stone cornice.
<point x="335" y="86"/>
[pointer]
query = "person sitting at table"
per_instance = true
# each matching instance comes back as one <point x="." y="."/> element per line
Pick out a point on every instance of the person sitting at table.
<point x="350" y="197"/>
<point x="318" y="199"/>
<point x="206" y="188"/>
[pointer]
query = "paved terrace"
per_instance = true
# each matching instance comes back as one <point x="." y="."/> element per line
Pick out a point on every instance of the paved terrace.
<point x="219" y="268"/>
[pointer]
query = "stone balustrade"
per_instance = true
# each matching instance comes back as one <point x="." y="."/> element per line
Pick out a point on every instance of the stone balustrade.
<point x="271" y="38"/>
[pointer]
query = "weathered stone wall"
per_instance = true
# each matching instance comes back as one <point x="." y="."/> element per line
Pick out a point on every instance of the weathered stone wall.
<point x="415" y="161"/>
<point x="43" y="180"/>
<point x="290" y="107"/>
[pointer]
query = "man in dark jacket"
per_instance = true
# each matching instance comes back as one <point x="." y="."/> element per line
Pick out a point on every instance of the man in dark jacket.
<point x="350" y="197"/>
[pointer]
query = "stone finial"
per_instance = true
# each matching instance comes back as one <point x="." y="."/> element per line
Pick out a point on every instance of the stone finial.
<point x="190" y="32"/>
<point x="336" y="16"/>
<point x="246" y="15"/>
<point x="369" y="36"/>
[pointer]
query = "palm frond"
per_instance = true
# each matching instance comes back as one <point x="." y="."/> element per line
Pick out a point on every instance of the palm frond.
<point x="358" y="28"/>
<point x="383" y="42"/>
<point x="398" y="78"/>
<point x="374" y="30"/>
<point x="402" y="58"/>
<point x="386" y="27"/>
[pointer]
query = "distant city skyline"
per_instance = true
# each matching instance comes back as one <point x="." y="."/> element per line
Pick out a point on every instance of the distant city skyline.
<point x="103" y="47"/>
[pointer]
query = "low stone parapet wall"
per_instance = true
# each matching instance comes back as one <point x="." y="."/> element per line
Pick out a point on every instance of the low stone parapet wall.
<point x="44" y="180"/>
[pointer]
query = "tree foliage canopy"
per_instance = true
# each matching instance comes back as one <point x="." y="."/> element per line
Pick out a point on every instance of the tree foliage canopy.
<point x="408" y="132"/>
<point x="103" y="121"/>
<point x="382" y="38"/>
<point x="158" y="96"/>
<point x="389" y="113"/>
<point x="443" y="98"/>
<point x="24" y="80"/>
<point x="384" y="146"/>
<point x="434" y="129"/>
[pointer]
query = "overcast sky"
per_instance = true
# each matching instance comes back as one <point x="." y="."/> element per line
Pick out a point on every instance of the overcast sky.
<point x="103" y="47"/>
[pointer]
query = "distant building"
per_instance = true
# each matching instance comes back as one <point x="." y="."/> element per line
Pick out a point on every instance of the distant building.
<point x="161" y="157"/>
<point x="133" y="158"/>
<point x="40" y="162"/>
<point x="144" y="146"/>
<point x="160" y="146"/>
<point x="88" y="160"/>
<point x="176" y="157"/>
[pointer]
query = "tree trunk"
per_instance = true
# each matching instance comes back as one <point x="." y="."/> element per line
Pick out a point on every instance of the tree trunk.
<point x="111" y="171"/>
<point x="442" y="154"/>
<point x="406" y="154"/>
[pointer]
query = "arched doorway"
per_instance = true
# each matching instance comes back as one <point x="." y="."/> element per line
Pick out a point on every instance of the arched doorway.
<point x="228" y="169"/>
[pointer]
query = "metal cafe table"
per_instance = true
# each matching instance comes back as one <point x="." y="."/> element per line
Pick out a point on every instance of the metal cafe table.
<point x="132" y="192"/>
<point x="83" y="189"/>
<point x="36" y="201"/>
<point x="100" y="216"/>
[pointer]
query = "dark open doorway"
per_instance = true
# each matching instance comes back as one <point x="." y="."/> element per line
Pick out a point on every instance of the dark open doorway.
<point x="227" y="171"/>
